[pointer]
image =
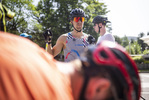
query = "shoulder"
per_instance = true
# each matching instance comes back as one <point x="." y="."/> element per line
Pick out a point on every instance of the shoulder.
<point x="63" y="37"/>
<point x="108" y="34"/>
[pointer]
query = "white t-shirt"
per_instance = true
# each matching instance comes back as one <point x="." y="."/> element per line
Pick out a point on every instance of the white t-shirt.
<point x="106" y="36"/>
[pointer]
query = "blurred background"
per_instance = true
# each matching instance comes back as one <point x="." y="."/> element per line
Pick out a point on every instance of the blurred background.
<point x="129" y="19"/>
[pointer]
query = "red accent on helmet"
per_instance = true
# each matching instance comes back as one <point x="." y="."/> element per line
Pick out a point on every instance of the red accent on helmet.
<point x="112" y="60"/>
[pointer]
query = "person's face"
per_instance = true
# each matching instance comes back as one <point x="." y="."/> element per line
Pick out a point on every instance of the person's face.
<point x="96" y="28"/>
<point x="78" y="22"/>
<point x="102" y="29"/>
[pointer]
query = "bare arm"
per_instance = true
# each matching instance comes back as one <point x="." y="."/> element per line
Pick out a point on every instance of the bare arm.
<point x="56" y="49"/>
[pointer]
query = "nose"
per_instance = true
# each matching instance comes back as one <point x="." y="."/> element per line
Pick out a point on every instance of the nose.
<point x="79" y="21"/>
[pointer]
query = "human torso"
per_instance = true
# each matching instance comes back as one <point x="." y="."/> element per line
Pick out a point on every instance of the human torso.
<point x="74" y="47"/>
<point x="106" y="36"/>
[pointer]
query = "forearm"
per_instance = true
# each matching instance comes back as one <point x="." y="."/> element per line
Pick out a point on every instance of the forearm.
<point x="50" y="49"/>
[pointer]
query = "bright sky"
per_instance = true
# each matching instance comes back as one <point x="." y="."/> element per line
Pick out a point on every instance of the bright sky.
<point x="128" y="17"/>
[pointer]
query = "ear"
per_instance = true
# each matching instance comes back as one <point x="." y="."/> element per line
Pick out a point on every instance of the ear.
<point x="100" y="24"/>
<point x="97" y="87"/>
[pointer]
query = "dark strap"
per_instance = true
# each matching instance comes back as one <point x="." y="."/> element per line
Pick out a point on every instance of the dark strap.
<point x="82" y="93"/>
<point x="99" y="29"/>
<point x="76" y="29"/>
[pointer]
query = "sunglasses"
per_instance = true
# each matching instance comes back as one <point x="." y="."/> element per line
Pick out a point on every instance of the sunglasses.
<point x="76" y="19"/>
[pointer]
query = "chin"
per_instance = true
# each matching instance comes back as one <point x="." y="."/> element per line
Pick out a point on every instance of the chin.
<point x="79" y="28"/>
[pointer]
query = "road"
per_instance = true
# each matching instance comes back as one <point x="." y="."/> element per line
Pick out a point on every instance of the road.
<point x="145" y="85"/>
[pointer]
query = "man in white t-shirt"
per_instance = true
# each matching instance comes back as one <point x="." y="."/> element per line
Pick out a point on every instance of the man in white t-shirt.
<point x="100" y="27"/>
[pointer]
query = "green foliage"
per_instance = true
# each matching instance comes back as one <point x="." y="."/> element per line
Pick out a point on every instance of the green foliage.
<point x="130" y="49"/>
<point x="23" y="9"/>
<point x="146" y="51"/>
<point x="146" y="61"/>
<point x="125" y="41"/>
<point x="135" y="48"/>
<point x="118" y="39"/>
<point x="138" y="59"/>
<point x="141" y="42"/>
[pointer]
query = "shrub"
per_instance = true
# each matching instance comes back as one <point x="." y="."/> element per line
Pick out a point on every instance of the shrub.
<point x="138" y="59"/>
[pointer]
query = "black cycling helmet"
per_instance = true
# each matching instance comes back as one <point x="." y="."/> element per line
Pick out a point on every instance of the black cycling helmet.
<point x="100" y="19"/>
<point x="77" y="12"/>
<point x="111" y="61"/>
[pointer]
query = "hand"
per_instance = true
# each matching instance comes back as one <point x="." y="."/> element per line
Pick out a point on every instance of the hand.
<point x="48" y="35"/>
<point x="91" y="39"/>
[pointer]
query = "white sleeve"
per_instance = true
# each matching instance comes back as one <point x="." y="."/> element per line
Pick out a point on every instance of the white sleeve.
<point x="109" y="37"/>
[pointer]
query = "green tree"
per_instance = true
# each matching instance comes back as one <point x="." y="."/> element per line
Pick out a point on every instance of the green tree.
<point x="135" y="48"/>
<point x="24" y="10"/>
<point x="141" y="34"/>
<point x="130" y="49"/>
<point x="125" y="41"/>
<point x="141" y="42"/>
<point x="118" y="39"/>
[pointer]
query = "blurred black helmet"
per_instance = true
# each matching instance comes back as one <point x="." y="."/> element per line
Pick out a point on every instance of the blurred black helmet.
<point x="77" y="12"/>
<point x="100" y="19"/>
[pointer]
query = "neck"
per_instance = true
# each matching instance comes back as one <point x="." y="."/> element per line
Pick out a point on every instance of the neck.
<point x="102" y="31"/>
<point x="77" y="34"/>
<point x="76" y="79"/>
<point x="71" y="71"/>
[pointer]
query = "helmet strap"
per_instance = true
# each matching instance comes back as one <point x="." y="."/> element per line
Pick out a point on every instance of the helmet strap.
<point x="84" y="86"/>
<point x="99" y="28"/>
<point x="76" y="29"/>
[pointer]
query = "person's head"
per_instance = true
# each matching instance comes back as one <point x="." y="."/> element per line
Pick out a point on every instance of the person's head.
<point x="77" y="17"/>
<point x="100" y="23"/>
<point x="109" y="74"/>
<point x="25" y="35"/>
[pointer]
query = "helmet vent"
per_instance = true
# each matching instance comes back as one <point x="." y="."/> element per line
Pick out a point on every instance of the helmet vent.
<point x="103" y="54"/>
